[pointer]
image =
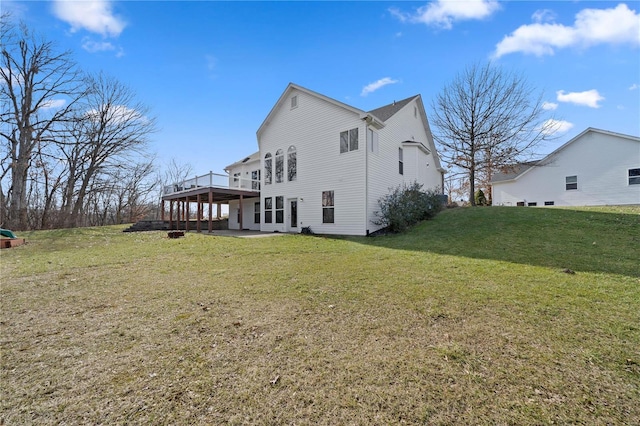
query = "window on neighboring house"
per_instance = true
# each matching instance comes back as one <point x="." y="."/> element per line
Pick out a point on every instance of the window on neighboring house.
<point x="571" y="182"/>
<point x="268" y="168"/>
<point x="292" y="164"/>
<point x="268" y="209"/>
<point x="256" y="212"/>
<point x="372" y="140"/>
<point x="280" y="209"/>
<point x="327" y="207"/>
<point x="400" y="162"/>
<point x="255" y="179"/>
<point x="279" y="166"/>
<point x="549" y="203"/>
<point x="349" y="140"/>
<point x="294" y="102"/>
<point x="634" y="176"/>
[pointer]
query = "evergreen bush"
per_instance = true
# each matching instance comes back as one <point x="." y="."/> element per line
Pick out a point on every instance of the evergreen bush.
<point x="407" y="205"/>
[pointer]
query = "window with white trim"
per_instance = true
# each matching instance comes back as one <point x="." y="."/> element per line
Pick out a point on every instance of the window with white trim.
<point x="294" y="102"/>
<point x="292" y="164"/>
<point x="372" y="140"/>
<point x="571" y="183"/>
<point x="400" y="162"/>
<point x="279" y="166"/>
<point x="634" y="176"/>
<point x="256" y="212"/>
<point x="327" y="207"/>
<point x="255" y="179"/>
<point x="268" y="168"/>
<point x="280" y="209"/>
<point x="268" y="209"/>
<point x="349" y="140"/>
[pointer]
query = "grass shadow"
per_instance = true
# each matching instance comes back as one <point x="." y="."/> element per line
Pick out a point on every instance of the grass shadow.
<point x="602" y="240"/>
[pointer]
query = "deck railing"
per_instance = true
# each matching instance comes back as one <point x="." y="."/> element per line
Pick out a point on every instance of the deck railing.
<point x="213" y="180"/>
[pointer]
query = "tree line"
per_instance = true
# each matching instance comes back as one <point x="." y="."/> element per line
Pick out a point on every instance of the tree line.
<point x="75" y="146"/>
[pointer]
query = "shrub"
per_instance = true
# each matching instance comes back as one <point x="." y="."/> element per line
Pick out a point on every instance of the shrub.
<point x="481" y="199"/>
<point x="406" y="205"/>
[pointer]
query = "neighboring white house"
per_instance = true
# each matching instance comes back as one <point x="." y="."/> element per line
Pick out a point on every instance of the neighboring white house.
<point x="324" y="164"/>
<point x="597" y="167"/>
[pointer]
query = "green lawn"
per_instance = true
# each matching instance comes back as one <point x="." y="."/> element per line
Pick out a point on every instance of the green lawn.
<point x="470" y="318"/>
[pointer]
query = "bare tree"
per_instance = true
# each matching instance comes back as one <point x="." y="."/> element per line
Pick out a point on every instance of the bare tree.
<point x="111" y="131"/>
<point x="39" y="87"/>
<point x="487" y="119"/>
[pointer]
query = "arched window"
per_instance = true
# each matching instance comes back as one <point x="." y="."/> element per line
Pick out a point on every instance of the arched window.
<point x="292" y="164"/>
<point x="279" y="166"/>
<point x="268" y="168"/>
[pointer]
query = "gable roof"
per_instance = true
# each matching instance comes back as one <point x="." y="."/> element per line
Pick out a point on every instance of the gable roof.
<point x="522" y="168"/>
<point x="386" y="112"/>
<point x="285" y="96"/>
<point x="253" y="157"/>
<point x="376" y="117"/>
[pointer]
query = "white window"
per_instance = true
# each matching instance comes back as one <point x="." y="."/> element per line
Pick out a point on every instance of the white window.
<point x="268" y="168"/>
<point x="292" y="164"/>
<point x="372" y="140"/>
<point x="280" y="209"/>
<point x="279" y="166"/>
<point x="294" y="102"/>
<point x="256" y="212"/>
<point x="634" y="176"/>
<point x="327" y="207"/>
<point x="268" y="209"/>
<point x="400" y="162"/>
<point x="349" y="140"/>
<point x="255" y="179"/>
<point x="571" y="182"/>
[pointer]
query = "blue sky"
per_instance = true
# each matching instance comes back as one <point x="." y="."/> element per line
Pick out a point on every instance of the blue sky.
<point x="211" y="71"/>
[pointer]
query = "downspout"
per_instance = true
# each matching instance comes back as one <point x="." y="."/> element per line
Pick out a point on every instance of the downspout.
<point x="366" y="176"/>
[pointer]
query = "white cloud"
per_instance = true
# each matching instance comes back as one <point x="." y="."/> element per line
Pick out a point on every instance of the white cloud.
<point x="549" y="106"/>
<point x="95" y="16"/>
<point x="543" y="15"/>
<point x="53" y="104"/>
<point x="115" y="114"/>
<point x="372" y="87"/>
<point x="442" y="13"/>
<point x="634" y="86"/>
<point x="553" y="126"/>
<point x="588" y="98"/>
<point x="617" y="25"/>
<point x="93" y="46"/>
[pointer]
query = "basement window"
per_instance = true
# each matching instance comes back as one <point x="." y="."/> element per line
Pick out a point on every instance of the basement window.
<point x="532" y="204"/>
<point x="549" y="203"/>
<point x="634" y="176"/>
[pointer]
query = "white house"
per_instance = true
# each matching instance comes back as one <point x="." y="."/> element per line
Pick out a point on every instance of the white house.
<point x="324" y="164"/>
<point x="597" y="167"/>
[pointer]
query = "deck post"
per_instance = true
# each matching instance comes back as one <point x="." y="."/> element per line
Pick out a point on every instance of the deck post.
<point x="241" y="199"/>
<point x="170" y="214"/>
<point x="186" y="219"/>
<point x="199" y="202"/>
<point x="210" y="209"/>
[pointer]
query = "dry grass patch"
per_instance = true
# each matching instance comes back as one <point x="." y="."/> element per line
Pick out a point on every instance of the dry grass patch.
<point x="101" y="327"/>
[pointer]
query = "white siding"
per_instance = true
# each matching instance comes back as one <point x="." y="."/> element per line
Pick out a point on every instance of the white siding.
<point x="600" y="161"/>
<point x="314" y="127"/>
<point x="383" y="167"/>
<point x="247" y="214"/>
